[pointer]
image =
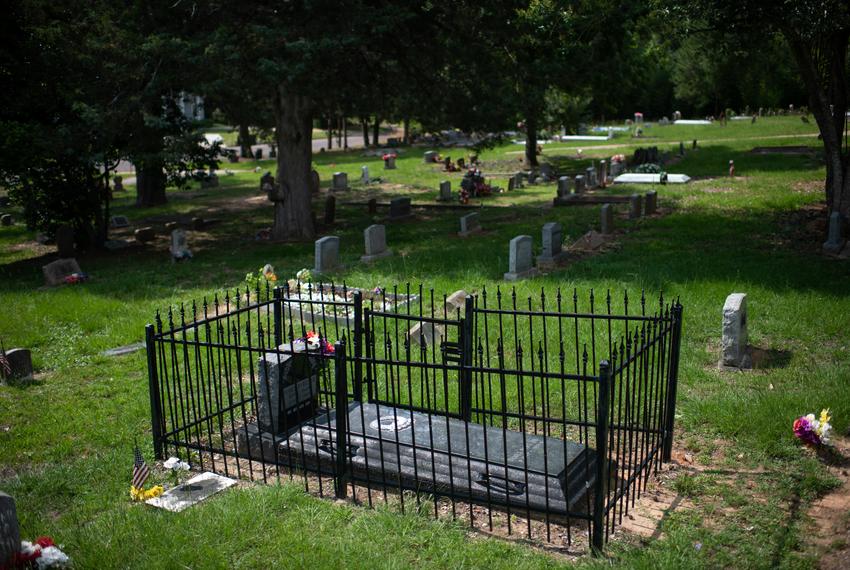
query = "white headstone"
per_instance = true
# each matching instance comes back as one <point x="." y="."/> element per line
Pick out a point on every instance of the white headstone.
<point x="364" y="174"/>
<point x="179" y="246"/>
<point x="733" y="343"/>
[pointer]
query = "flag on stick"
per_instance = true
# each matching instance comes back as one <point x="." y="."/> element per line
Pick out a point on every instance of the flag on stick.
<point x="140" y="469"/>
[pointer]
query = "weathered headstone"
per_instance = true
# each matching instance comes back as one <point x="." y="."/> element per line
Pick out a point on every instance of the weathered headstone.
<point x="179" y="247"/>
<point x="835" y="238"/>
<point x="590" y="177"/>
<point x="55" y="272"/>
<point x="733" y="343"/>
<point x="389" y="163"/>
<point x="6" y="220"/>
<point x="315" y="182"/>
<point x="327" y="254"/>
<point x="553" y="241"/>
<point x="145" y="235"/>
<point x="518" y="180"/>
<point x="266" y="181"/>
<point x="65" y="240"/>
<point x="511" y="183"/>
<point x="470" y="224"/>
<point x="330" y="210"/>
<point x="372" y="206"/>
<point x="430" y="156"/>
<point x="651" y="204"/>
<point x="634" y="206"/>
<point x="617" y="168"/>
<point x="375" y="237"/>
<point x="563" y="186"/>
<point x="547" y="172"/>
<point x="364" y="175"/>
<point x="445" y="191"/>
<point x="10" y="532"/>
<point x="340" y="181"/>
<point x="431" y="334"/>
<point x="119" y="222"/>
<point x="607" y="219"/>
<point x="603" y="173"/>
<point x="579" y="184"/>
<point x="520" y="259"/>
<point x="400" y="208"/>
<point x="20" y="364"/>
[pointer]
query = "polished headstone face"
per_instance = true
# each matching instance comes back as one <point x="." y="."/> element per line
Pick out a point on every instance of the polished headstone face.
<point x="285" y="384"/>
<point x="519" y="256"/>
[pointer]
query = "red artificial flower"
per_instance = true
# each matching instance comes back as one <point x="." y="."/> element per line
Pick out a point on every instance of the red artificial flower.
<point x="44" y="541"/>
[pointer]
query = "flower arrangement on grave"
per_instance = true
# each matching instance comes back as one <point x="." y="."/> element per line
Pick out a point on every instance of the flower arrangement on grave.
<point x="304" y="275"/>
<point x="648" y="168"/>
<point x="138" y="493"/>
<point x="389" y="155"/>
<point x="175" y="466"/>
<point x="618" y="158"/>
<point x="313" y="342"/>
<point x="474" y="184"/>
<point x="264" y="275"/>
<point x="813" y="431"/>
<point x="41" y="554"/>
<point x="75" y="278"/>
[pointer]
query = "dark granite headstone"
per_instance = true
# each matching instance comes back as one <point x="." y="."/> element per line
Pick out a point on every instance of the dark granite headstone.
<point x="65" y="241"/>
<point x="10" y="532"/>
<point x="20" y="361"/>
<point x="145" y="235"/>
<point x="119" y="222"/>
<point x="198" y="224"/>
<point x="373" y="206"/>
<point x="400" y="208"/>
<point x="118" y="184"/>
<point x="6" y="220"/>
<point x="330" y="209"/>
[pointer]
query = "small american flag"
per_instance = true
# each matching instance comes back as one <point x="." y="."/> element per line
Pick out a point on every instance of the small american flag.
<point x="140" y="469"/>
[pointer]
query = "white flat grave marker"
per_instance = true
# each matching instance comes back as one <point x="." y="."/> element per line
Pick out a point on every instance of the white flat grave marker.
<point x="692" y="122"/>
<point x="193" y="491"/>
<point x="646" y="178"/>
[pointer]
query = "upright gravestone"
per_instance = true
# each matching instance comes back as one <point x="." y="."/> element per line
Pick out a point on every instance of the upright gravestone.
<point x="364" y="174"/>
<point x="375" y="237"/>
<point x="400" y="208"/>
<point x="835" y="240"/>
<point x="634" y="206"/>
<point x="20" y="364"/>
<point x="445" y="191"/>
<point x="6" y="220"/>
<point x="372" y="206"/>
<point x="287" y="381"/>
<point x="579" y="184"/>
<point x="10" y="532"/>
<point x="470" y="224"/>
<point x="606" y="222"/>
<point x="517" y="180"/>
<point x="315" y="182"/>
<point x="389" y="162"/>
<point x="119" y="222"/>
<point x="65" y="241"/>
<point x="651" y="204"/>
<point x="327" y="254"/>
<point x="590" y="177"/>
<point x="55" y="272"/>
<point x="147" y="234"/>
<point x="330" y="210"/>
<point x="553" y="241"/>
<point x="520" y="259"/>
<point x="179" y="247"/>
<point x="340" y="181"/>
<point x="461" y="163"/>
<point x="681" y="148"/>
<point x="430" y="156"/>
<point x="617" y="168"/>
<point x="603" y="173"/>
<point x="563" y="186"/>
<point x="733" y="343"/>
<point x="118" y="184"/>
<point x="511" y="183"/>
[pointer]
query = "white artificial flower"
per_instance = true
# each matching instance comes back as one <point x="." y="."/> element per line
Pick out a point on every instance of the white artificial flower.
<point x="29" y="548"/>
<point x="52" y="557"/>
<point x="825" y="428"/>
<point x="175" y="464"/>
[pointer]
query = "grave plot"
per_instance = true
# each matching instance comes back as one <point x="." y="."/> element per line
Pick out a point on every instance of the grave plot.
<point x="549" y="409"/>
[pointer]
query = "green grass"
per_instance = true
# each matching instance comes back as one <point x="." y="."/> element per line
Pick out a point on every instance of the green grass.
<point x="66" y="441"/>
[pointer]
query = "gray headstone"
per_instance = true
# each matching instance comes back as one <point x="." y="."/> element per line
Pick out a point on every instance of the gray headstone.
<point x="553" y="240"/>
<point x="634" y="206"/>
<point x="651" y="204"/>
<point x="520" y="259"/>
<point x="835" y="238"/>
<point x="145" y="235"/>
<point x="375" y="237"/>
<point x="617" y="168"/>
<point x="327" y="254"/>
<point x="400" y="208"/>
<point x="517" y="180"/>
<point x="590" y="177"/>
<point x="445" y="191"/>
<point x="564" y="186"/>
<point x="389" y="163"/>
<point x="119" y="222"/>
<point x="430" y="156"/>
<point x="10" y="532"/>
<point x="20" y="362"/>
<point x="603" y="173"/>
<point x="579" y="184"/>
<point x="547" y="172"/>
<point x="340" y="181"/>
<point x="65" y="240"/>
<point x="179" y="247"/>
<point x="733" y="344"/>
<point x="56" y="271"/>
<point x="364" y="174"/>
<point x="330" y="210"/>
<point x="470" y="224"/>
<point x="607" y="219"/>
<point x="6" y="220"/>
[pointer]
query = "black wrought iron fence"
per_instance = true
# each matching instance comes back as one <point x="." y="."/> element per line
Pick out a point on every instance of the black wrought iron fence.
<point x="548" y="413"/>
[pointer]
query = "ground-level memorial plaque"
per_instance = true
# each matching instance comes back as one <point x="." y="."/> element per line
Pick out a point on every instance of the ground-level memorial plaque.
<point x="193" y="491"/>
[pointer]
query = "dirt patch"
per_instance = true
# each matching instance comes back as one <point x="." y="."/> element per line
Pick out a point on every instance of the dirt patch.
<point x="831" y="513"/>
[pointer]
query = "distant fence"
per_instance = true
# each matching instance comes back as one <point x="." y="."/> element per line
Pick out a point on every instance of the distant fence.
<point x="548" y="414"/>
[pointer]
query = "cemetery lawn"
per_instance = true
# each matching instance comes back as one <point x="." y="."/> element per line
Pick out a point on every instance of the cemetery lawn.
<point x="745" y="485"/>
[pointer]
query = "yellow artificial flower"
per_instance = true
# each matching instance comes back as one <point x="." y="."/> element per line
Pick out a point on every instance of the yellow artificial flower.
<point x="143" y="494"/>
<point x="824" y="416"/>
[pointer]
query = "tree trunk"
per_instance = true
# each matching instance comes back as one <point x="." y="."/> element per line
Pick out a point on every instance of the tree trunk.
<point x="338" y="133"/>
<point x="531" y="141"/>
<point x="245" y="142"/>
<point x="345" y="133"/>
<point x="406" y="130"/>
<point x="150" y="184"/>
<point x="330" y="134"/>
<point x="365" y="125"/>
<point x="294" y="116"/>
<point x="376" y="130"/>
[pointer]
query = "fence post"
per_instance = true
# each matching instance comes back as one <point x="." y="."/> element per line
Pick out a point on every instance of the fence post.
<point x="467" y="327"/>
<point x="601" y="486"/>
<point x="278" y="316"/>
<point x="153" y="387"/>
<point x="672" y="382"/>
<point x="340" y="473"/>
<point x="358" y="346"/>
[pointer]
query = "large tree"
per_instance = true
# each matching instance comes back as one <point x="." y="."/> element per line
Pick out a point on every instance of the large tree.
<point x="817" y="33"/>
